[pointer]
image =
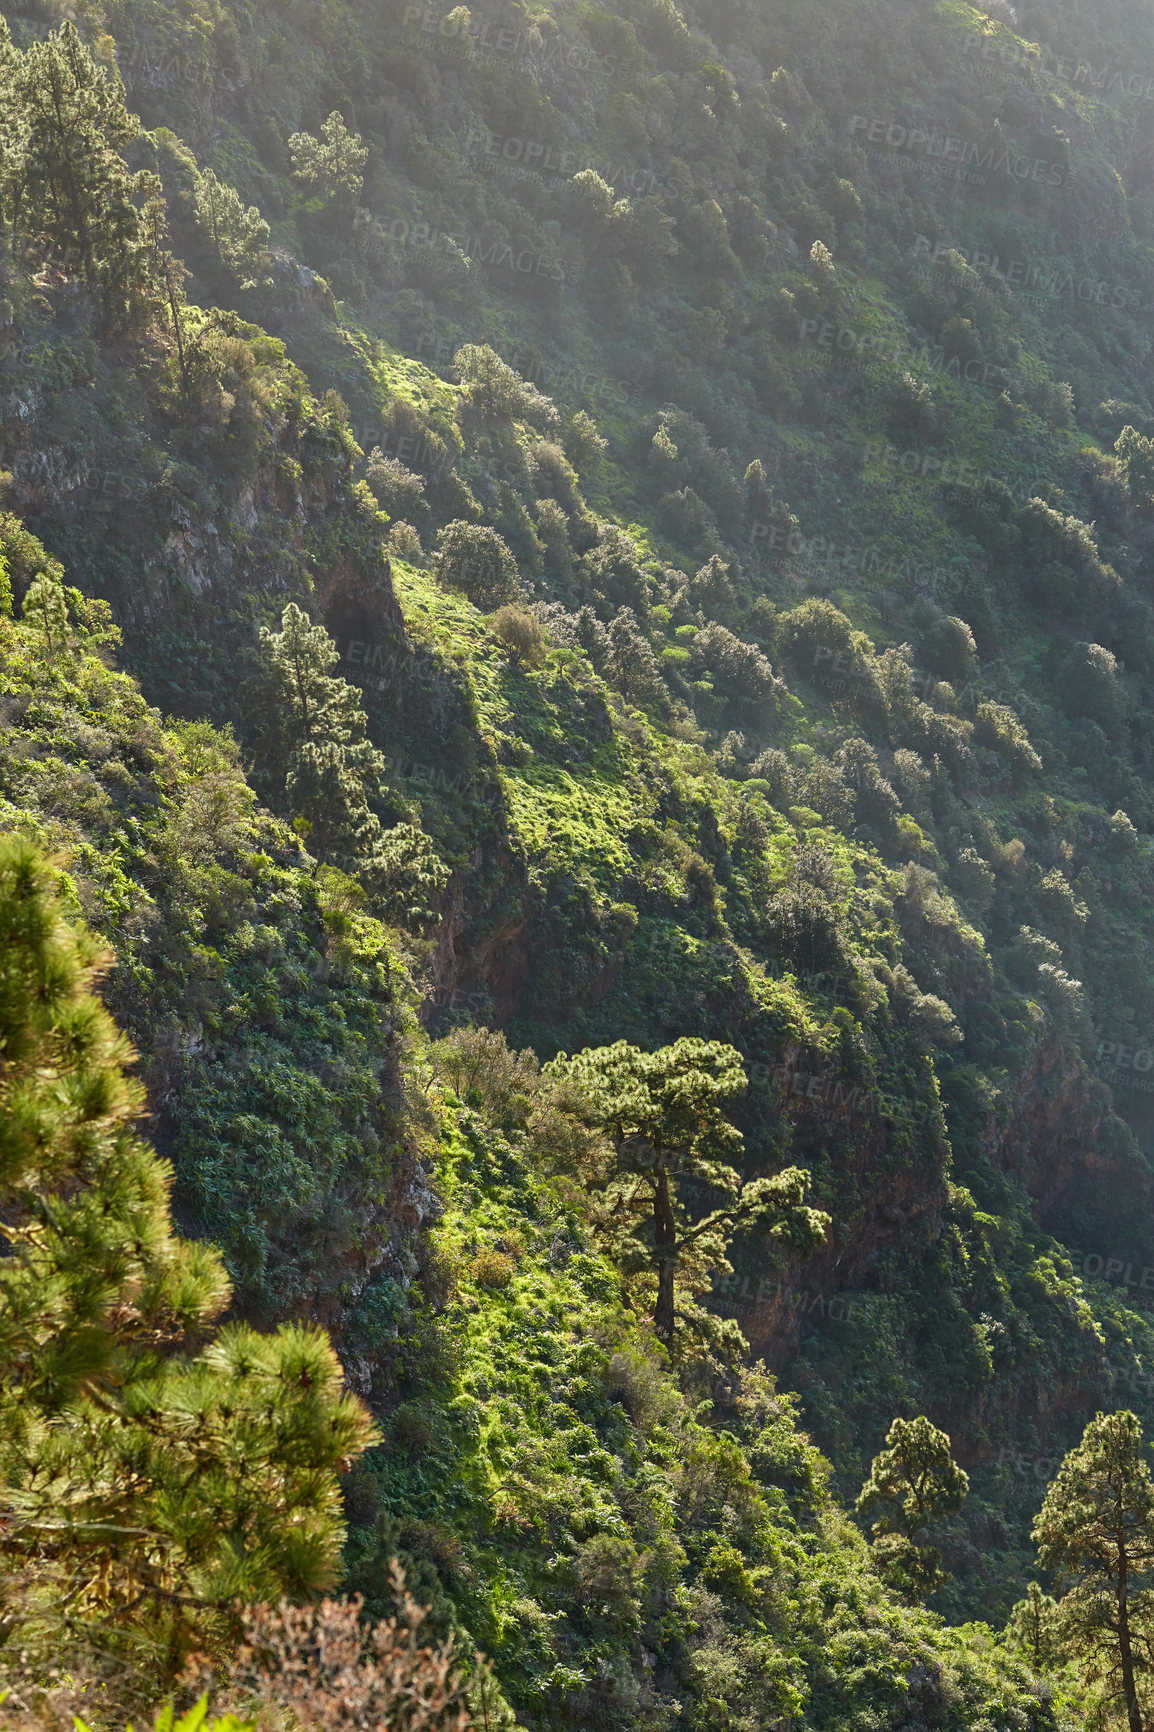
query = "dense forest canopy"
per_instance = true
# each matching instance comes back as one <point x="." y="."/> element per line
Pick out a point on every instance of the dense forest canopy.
<point x="576" y="849"/>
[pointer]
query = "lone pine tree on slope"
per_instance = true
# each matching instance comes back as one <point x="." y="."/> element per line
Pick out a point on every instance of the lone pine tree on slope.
<point x="664" y="1114"/>
<point x="316" y="760"/>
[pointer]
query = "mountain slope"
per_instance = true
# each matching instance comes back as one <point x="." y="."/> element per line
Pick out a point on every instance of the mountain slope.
<point x="817" y="720"/>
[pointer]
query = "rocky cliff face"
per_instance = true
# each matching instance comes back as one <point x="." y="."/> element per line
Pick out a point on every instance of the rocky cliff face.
<point x="1063" y="1139"/>
<point x="884" y="1161"/>
<point x="887" y="1162"/>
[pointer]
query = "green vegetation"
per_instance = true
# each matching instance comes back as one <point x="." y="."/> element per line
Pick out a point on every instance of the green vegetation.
<point x="917" y="1480"/>
<point x="604" y="715"/>
<point x="597" y="1507"/>
<point x="1097" y="1528"/>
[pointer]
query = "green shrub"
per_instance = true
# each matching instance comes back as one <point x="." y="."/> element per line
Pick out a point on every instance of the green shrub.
<point x="474" y="559"/>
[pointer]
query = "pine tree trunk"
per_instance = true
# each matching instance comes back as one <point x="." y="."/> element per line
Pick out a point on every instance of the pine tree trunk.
<point x="665" y="1251"/>
<point x="1125" y="1652"/>
<point x="175" y="310"/>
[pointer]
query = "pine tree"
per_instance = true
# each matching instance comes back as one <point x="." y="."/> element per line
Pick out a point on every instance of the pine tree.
<point x="916" y="1480"/>
<point x="68" y="193"/>
<point x="316" y="758"/>
<point x="152" y="1472"/>
<point x="633" y="668"/>
<point x="1136" y="454"/>
<point x="665" y="1114"/>
<point x="1096" y="1530"/>
<point x="46" y="608"/>
<point x="11" y="122"/>
<point x="334" y="163"/>
<point x="238" y="232"/>
<point x="314" y="745"/>
<point x="169" y="276"/>
<point x="1033" y="1628"/>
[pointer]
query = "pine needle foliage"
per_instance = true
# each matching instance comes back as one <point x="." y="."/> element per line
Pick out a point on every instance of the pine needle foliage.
<point x="152" y="1472"/>
<point x="914" y="1481"/>
<point x="665" y="1114"/>
<point x="1096" y="1530"/>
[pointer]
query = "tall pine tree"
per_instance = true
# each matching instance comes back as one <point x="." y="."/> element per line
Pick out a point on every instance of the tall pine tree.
<point x="1096" y="1530"/>
<point x="66" y="193"/>
<point x="913" y="1481"/>
<point x="315" y="752"/>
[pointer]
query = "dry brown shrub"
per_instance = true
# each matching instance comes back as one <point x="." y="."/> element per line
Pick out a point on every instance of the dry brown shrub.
<point x="321" y="1667"/>
<point x="492" y="1268"/>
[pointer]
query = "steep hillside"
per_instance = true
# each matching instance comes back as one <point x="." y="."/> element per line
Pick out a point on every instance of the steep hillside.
<point x="718" y="444"/>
